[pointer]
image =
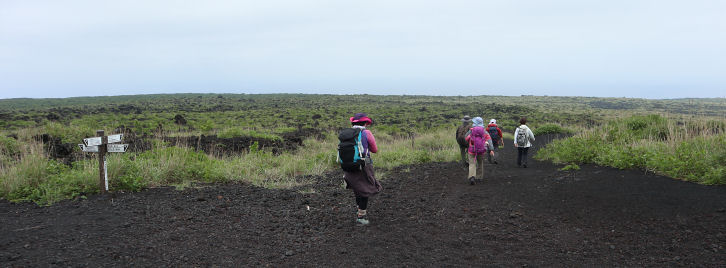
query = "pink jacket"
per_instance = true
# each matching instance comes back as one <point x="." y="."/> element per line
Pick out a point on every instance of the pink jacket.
<point x="369" y="146"/>
<point x="372" y="147"/>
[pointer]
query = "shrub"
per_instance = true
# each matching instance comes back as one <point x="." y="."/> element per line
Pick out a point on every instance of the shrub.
<point x="570" y="167"/>
<point x="172" y="165"/>
<point x="68" y="133"/>
<point x="46" y="181"/>
<point x="124" y="173"/>
<point x="579" y="149"/>
<point x="9" y="146"/>
<point x="551" y="129"/>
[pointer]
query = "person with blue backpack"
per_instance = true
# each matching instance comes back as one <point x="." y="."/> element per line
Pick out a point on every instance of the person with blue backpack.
<point x="523" y="138"/>
<point x="479" y="144"/>
<point x="354" y="156"/>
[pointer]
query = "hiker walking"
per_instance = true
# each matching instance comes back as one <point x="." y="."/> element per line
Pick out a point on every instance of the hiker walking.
<point x="523" y="138"/>
<point x="354" y="155"/>
<point x="496" y="133"/>
<point x="461" y="133"/>
<point x="479" y="144"/>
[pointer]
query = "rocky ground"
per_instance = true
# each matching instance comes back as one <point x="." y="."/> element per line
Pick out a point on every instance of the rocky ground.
<point x="427" y="215"/>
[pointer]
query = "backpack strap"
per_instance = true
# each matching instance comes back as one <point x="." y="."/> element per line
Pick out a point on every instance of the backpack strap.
<point x="359" y="144"/>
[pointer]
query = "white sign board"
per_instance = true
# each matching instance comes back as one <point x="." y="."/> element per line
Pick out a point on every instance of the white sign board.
<point x="117" y="148"/>
<point x="99" y="140"/>
<point x="88" y="149"/>
<point x="93" y="141"/>
<point x="115" y="138"/>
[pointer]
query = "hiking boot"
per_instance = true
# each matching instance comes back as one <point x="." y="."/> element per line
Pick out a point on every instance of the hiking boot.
<point x="524" y="166"/>
<point x="471" y="180"/>
<point x="362" y="221"/>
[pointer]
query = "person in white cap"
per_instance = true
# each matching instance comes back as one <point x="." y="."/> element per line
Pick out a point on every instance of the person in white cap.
<point x="496" y="133"/>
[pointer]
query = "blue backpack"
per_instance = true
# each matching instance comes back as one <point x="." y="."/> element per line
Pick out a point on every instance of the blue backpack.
<point x="350" y="150"/>
<point x="494" y="134"/>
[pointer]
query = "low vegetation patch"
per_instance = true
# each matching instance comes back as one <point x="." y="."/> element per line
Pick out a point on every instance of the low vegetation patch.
<point x="693" y="151"/>
<point x="552" y="129"/>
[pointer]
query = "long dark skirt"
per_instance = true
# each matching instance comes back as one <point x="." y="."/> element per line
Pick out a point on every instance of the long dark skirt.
<point x="363" y="183"/>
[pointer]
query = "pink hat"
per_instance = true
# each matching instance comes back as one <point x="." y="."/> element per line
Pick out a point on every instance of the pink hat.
<point x="361" y="117"/>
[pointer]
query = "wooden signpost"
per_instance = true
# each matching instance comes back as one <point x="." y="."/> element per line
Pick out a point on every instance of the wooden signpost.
<point x="102" y="145"/>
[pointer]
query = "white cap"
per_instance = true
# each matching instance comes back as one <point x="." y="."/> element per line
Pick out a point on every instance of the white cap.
<point x="493" y="121"/>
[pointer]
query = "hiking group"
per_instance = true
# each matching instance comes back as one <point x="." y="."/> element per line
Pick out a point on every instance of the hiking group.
<point x="475" y="141"/>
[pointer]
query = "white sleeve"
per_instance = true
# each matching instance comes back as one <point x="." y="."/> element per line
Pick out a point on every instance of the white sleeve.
<point x="531" y="134"/>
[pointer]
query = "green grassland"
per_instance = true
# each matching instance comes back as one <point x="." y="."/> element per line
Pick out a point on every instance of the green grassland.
<point x="409" y="129"/>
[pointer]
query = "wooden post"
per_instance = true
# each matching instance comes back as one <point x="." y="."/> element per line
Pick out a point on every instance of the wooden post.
<point x="102" y="181"/>
<point x="101" y="146"/>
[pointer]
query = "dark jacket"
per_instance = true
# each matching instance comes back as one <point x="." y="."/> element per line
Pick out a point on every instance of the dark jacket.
<point x="461" y="135"/>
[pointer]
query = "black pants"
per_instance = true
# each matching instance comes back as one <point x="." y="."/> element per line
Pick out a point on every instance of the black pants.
<point x="362" y="202"/>
<point x="522" y="155"/>
<point x="491" y="158"/>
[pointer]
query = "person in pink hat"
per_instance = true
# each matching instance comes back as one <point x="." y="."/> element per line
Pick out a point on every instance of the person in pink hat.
<point x="361" y="177"/>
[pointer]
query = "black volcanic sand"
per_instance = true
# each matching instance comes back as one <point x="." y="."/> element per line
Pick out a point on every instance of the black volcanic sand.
<point x="427" y="215"/>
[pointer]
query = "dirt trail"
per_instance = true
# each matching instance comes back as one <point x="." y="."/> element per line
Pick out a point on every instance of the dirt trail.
<point x="427" y="215"/>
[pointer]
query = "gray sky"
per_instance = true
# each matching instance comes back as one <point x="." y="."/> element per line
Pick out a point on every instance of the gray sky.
<point x="615" y="48"/>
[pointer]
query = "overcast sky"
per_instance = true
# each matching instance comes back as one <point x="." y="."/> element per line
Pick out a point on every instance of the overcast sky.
<point x="615" y="48"/>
